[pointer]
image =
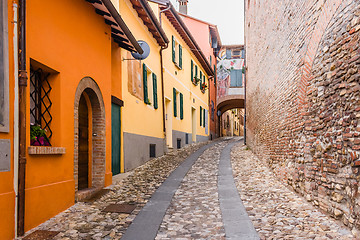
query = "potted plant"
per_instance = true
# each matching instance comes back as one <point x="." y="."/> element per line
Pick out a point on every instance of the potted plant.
<point x="196" y="81"/>
<point x="203" y="87"/>
<point x="38" y="136"/>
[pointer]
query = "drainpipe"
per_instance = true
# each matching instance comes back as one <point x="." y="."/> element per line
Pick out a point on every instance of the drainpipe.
<point x="16" y="110"/>
<point x="162" y="77"/>
<point x="245" y="78"/>
<point x="162" y="86"/>
<point x="22" y="117"/>
<point x="164" y="10"/>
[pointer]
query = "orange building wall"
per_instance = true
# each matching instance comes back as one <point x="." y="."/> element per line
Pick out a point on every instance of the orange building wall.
<point x="7" y="194"/>
<point x="69" y="37"/>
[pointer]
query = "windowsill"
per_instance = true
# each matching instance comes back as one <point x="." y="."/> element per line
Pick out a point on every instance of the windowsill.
<point x="44" y="150"/>
<point x="177" y="65"/>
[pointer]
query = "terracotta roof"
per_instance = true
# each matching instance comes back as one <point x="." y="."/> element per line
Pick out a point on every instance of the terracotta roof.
<point x="119" y="31"/>
<point x="186" y="35"/>
<point x="148" y="17"/>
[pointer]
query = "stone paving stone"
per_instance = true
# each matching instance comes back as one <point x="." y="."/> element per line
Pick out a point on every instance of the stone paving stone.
<point x="194" y="212"/>
<point x="276" y="211"/>
<point x="87" y="221"/>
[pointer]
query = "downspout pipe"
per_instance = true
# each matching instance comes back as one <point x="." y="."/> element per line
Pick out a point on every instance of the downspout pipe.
<point x="162" y="86"/>
<point x="16" y="109"/>
<point x="22" y="117"/>
<point x="162" y="76"/>
<point x="245" y="79"/>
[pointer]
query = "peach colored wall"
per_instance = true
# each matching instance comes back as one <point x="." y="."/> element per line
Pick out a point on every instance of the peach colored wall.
<point x="201" y="32"/>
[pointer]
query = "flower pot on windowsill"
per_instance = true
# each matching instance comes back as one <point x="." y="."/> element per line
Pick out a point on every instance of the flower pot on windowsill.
<point x="195" y="81"/>
<point x="203" y="87"/>
<point x="38" y="136"/>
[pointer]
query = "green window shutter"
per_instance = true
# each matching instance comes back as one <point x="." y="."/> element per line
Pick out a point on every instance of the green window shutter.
<point x="146" y="98"/>
<point x="196" y="71"/>
<point x="173" y="49"/>
<point x="192" y="70"/>
<point x="200" y="79"/>
<point x="201" y="116"/>
<point x="174" y="99"/>
<point x="155" y="91"/>
<point x="214" y="74"/>
<point x="181" y="106"/>
<point x="204" y="118"/>
<point x="180" y="56"/>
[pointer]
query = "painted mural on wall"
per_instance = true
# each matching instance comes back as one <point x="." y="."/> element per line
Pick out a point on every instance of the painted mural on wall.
<point x="225" y="70"/>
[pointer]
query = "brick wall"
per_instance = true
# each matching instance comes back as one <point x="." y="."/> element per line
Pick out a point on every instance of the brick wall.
<point x="303" y="98"/>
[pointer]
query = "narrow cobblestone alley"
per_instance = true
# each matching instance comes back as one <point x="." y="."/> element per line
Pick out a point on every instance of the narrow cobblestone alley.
<point x="188" y="194"/>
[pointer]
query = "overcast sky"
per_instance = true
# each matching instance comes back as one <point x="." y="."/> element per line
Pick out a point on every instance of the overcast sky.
<point x="228" y="15"/>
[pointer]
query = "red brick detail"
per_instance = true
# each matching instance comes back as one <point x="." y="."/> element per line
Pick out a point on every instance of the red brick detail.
<point x="90" y="87"/>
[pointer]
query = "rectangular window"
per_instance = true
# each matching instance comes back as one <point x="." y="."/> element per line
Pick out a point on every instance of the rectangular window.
<point x="181" y="106"/>
<point x="201" y="79"/>
<point x="204" y="121"/>
<point x="192" y="70"/>
<point x="174" y="99"/>
<point x="4" y="69"/>
<point x="40" y="107"/>
<point x="150" y="87"/>
<point x="155" y="91"/>
<point x="215" y="75"/>
<point x="152" y="150"/>
<point x="176" y="53"/>
<point x="236" y="78"/>
<point x="201" y="109"/>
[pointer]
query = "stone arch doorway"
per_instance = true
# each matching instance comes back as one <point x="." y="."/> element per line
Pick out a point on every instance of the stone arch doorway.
<point x="89" y="138"/>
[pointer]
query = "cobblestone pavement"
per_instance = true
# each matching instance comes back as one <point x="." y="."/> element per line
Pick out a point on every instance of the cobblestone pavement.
<point x="194" y="212"/>
<point x="276" y="211"/>
<point x="87" y="221"/>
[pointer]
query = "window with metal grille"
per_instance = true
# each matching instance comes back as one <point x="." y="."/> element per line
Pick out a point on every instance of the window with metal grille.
<point x="40" y="102"/>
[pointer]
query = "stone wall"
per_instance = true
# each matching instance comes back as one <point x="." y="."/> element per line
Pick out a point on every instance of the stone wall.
<point x="303" y="98"/>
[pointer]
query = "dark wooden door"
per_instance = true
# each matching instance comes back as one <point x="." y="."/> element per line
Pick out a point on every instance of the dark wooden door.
<point x="115" y="138"/>
<point x="83" y="164"/>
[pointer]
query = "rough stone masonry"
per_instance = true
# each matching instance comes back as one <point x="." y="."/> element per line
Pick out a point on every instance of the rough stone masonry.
<point x="303" y="98"/>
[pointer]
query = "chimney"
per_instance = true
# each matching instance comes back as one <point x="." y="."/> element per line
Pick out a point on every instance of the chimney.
<point x="183" y="6"/>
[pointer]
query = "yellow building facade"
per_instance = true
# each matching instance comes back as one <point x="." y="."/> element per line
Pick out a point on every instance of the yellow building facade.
<point x="142" y="113"/>
<point x="186" y="79"/>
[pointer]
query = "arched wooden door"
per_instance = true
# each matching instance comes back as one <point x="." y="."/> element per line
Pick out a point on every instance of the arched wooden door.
<point x="83" y="163"/>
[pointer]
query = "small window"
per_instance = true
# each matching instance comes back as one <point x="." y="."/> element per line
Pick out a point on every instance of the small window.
<point x="152" y="150"/>
<point x="236" y="53"/>
<point x="186" y="138"/>
<point x="236" y="78"/>
<point x="176" y="53"/>
<point x="202" y="117"/>
<point x="150" y="87"/>
<point x="228" y="54"/>
<point x="178" y="143"/>
<point x="178" y="108"/>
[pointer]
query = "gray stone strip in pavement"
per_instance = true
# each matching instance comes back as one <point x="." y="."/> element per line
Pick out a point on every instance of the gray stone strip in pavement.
<point x="146" y="224"/>
<point x="236" y="221"/>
